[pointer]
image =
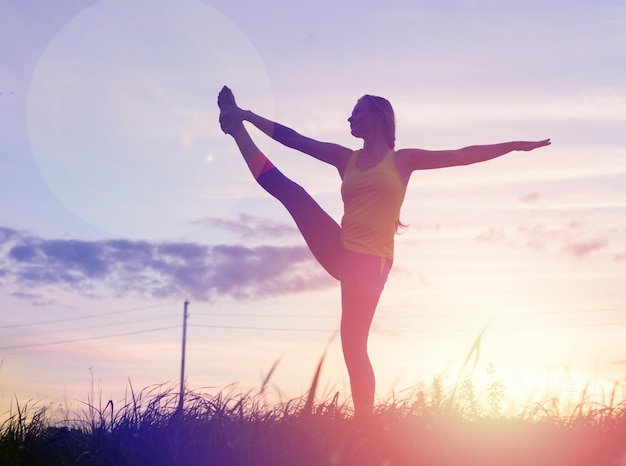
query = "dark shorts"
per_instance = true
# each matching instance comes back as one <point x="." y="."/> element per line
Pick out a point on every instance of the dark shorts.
<point x="364" y="273"/>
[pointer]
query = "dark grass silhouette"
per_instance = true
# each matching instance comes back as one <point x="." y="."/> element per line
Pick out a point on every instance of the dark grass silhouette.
<point x="427" y="426"/>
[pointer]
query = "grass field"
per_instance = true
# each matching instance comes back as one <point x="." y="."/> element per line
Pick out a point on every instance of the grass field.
<point x="434" y="426"/>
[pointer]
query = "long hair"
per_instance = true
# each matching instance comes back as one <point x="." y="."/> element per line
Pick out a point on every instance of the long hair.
<point x="383" y="107"/>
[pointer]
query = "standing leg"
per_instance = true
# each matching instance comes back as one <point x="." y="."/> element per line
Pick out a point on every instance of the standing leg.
<point x="356" y="318"/>
<point x="362" y="281"/>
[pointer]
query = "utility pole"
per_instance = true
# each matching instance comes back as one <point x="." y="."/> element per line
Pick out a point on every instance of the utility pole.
<point x="182" y="364"/>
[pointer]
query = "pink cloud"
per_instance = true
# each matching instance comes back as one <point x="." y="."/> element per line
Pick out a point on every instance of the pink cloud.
<point x="575" y="225"/>
<point x="537" y="236"/>
<point x="574" y="239"/>
<point x="532" y="198"/>
<point x="584" y="248"/>
<point x="620" y="257"/>
<point x="492" y="235"/>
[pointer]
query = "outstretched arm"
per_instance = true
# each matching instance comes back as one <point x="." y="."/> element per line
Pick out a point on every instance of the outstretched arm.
<point x="418" y="159"/>
<point x="333" y="154"/>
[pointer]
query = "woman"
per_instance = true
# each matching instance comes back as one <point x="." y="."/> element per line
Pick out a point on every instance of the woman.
<point x="359" y="253"/>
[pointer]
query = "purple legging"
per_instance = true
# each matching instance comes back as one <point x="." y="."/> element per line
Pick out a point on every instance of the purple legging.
<point x="362" y="278"/>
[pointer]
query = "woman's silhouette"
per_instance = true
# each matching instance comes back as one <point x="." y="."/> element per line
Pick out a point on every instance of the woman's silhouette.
<point x="359" y="253"/>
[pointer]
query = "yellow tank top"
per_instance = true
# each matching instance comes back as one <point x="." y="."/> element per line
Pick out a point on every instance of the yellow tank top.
<point x="371" y="198"/>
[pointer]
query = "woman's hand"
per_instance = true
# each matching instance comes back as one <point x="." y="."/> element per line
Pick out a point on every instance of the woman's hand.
<point x="530" y="145"/>
<point x="230" y="120"/>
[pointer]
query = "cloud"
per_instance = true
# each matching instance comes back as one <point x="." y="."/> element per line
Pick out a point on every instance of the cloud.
<point x="492" y="235"/>
<point x="584" y="248"/>
<point x="620" y="257"/>
<point x="249" y="226"/>
<point x="572" y="239"/>
<point x="35" y="299"/>
<point x="531" y="198"/>
<point x="575" y="238"/>
<point x="155" y="269"/>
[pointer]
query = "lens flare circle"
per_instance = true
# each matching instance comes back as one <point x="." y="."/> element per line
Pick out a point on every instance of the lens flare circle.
<point x="122" y="114"/>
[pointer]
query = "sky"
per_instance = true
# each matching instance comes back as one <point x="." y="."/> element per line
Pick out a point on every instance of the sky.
<point x="120" y="198"/>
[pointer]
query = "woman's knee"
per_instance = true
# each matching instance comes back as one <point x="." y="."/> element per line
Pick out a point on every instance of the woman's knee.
<point x="354" y="346"/>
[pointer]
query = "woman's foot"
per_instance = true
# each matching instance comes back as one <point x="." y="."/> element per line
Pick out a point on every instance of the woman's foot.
<point x="226" y="98"/>
<point x="230" y="121"/>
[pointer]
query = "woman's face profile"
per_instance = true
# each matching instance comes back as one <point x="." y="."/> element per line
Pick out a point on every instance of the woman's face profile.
<point x="362" y="120"/>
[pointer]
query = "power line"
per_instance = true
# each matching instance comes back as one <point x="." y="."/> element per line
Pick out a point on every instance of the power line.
<point x="404" y="330"/>
<point x="301" y="329"/>
<point x="310" y="316"/>
<point x="76" y="340"/>
<point x="507" y="329"/>
<point x="382" y="313"/>
<point x="313" y="330"/>
<point x="272" y="329"/>
<point x="100" y="326"/>
<point x="90" y="316"/>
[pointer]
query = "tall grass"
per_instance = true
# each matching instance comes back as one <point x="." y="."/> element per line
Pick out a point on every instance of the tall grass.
<point x="434" y="425"/>
<point x="426" y="426"/>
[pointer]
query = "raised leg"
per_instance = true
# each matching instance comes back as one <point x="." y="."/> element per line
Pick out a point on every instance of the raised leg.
<point x="318" y="229"/>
